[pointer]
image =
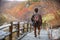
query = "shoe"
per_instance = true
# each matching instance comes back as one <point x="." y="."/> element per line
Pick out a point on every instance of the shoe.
<point x="39" y="33"/>
<point x="35" y="35"/>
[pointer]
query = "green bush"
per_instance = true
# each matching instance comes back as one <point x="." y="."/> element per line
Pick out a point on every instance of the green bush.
<point x="2" y="19"/>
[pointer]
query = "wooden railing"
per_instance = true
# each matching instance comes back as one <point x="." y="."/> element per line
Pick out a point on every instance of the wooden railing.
<point x="53" y="31"/>
<point x="26" y="27"/>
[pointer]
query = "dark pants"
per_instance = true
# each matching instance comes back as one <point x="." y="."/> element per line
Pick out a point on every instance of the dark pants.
<point x="35" y="28"/>
<point x="37" y="25"/>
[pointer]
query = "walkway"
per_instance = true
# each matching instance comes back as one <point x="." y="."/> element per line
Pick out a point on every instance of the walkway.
<point x="43" y="36"/>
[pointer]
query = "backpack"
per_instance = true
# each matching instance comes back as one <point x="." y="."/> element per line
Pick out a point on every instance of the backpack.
<point x="36" y="17"/>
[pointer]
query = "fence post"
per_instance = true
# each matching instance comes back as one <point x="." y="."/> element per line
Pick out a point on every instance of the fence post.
<point x="18" y="29"/>
<point x="27" y="26"/>
<point x="30" y="28"/>
<point x="23" y="28"/>
<point x="51" y="32"/>
<point x="10" y="30"/>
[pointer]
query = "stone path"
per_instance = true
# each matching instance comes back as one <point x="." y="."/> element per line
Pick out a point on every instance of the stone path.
<point x="43" y="36"/>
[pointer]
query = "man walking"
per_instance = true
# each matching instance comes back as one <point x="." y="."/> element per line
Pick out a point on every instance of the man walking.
<point x="37" y="21"/>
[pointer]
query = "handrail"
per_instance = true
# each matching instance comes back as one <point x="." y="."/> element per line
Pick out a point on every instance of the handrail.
<point x="5" y="26"/>
<point x="11" y="30"/>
